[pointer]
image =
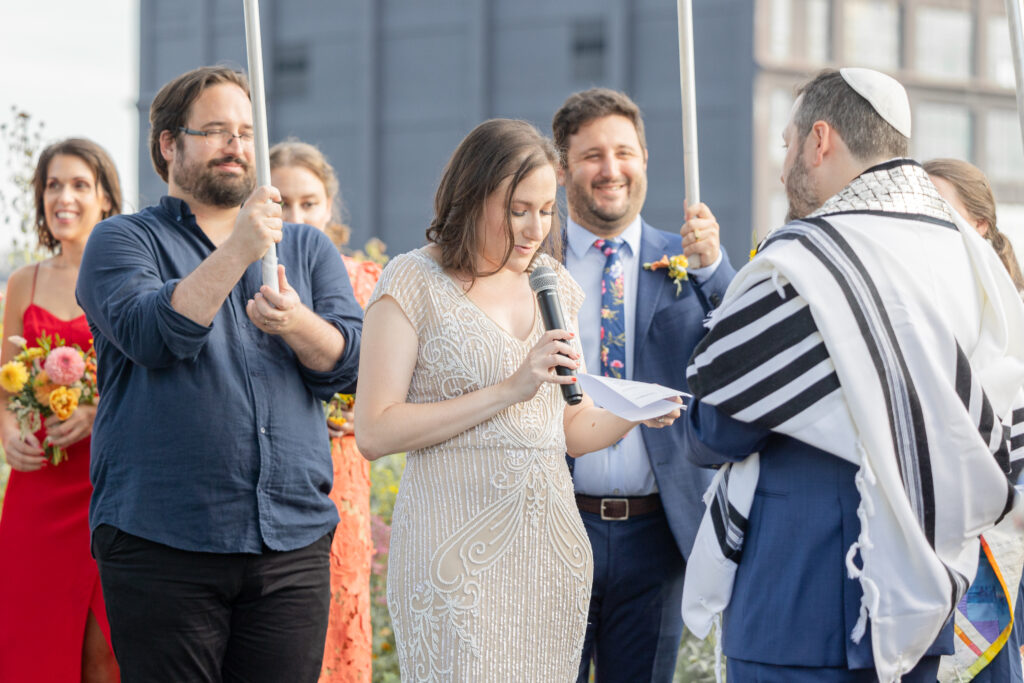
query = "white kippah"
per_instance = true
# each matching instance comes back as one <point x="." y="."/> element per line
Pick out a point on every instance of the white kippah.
<point x="884" y="93"/>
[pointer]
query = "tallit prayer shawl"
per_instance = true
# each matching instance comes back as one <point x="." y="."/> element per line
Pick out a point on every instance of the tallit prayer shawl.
<point x="830" y="336"/>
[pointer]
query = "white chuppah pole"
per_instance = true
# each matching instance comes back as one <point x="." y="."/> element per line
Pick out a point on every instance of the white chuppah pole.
<point x="1014" y="12"/>
<point x="254" y="48"/>
<point x="688" y="90"/>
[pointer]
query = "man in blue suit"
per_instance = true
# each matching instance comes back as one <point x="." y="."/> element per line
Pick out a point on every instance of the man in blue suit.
<point x="795" y="608"/>
<point x="640" y="499"/>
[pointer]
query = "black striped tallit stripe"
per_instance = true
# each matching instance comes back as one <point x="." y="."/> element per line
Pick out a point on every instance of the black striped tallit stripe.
<point x="751" y="313"/>
<point x="987" y="420"/>
<point x="719" y="521"/>
<point x="780" y="378"/>
<point x="1008" y="505"/>
<point x="963" y="378"/>
<point x="799" y="403"/>
<point x="752" y="353"/>
<point x="1017" y="416"/>
<point x="1002" y="456"/>
<point x="957" y="588"/>
<point x="1016" y="467"/>
<point x="1016" y="442"/>
<point x="987" y="426"/>
<point x="899" y="374"/>
<point x="916" y="217"/>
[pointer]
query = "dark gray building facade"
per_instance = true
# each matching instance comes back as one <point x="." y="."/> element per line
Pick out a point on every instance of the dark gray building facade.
<point x="387" y="88"/>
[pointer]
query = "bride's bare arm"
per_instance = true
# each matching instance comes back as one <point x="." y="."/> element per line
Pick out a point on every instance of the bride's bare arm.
<point x="386" y="423"/>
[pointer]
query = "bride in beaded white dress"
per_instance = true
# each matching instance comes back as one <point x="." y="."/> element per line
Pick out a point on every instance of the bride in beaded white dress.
<point x="489" y="567"/>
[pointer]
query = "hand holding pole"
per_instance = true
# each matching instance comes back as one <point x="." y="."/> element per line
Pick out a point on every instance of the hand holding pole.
<point x="254" y="48"/>
<point x="688" y="91"/>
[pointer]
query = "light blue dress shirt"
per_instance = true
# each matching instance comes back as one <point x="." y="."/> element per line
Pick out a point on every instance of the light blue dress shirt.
<point x="624" y="468"/>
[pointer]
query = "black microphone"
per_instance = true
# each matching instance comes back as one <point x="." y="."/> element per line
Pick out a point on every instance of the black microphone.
<point x="544" y="282"/>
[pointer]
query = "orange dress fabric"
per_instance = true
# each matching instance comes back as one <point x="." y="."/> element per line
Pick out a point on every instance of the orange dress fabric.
<point x="349" y="647"/>
<point x="48" y="580"/>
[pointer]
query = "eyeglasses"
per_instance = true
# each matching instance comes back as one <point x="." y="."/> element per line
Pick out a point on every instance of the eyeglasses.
<point x="219" y="138"/>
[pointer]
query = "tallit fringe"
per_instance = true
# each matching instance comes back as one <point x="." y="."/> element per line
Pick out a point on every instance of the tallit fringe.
<point x="865" y="511"/>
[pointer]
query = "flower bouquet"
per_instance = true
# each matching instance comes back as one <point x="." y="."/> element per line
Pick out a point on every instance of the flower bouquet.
<point x="49" y="379"/>
<point x="338" y="404"/>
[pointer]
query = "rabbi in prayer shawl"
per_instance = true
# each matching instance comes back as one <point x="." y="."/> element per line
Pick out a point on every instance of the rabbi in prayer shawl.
<point x="851" y="390"/>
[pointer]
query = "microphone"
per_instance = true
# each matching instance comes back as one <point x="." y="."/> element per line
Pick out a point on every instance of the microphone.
<point x="544" y="282"/>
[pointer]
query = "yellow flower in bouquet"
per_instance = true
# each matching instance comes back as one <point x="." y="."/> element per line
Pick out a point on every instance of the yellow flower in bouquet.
<point x="13" y="376"/>
<point x="63" y="402"/>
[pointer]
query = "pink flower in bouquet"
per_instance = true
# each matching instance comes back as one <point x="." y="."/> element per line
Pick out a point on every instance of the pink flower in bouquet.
<point x="64" y="365"/>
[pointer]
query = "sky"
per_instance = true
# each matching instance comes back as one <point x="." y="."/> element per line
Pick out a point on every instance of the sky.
<point x="74" y="66"/>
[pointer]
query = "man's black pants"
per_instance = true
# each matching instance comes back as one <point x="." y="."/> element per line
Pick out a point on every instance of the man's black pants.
<point x="177" y="615"/>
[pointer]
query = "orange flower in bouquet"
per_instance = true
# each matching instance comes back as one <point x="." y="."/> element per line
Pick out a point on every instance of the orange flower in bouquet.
<point x="48" y="379"/>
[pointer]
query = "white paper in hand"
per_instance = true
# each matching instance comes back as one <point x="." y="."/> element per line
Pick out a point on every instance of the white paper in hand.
<point x="631" y="400"/>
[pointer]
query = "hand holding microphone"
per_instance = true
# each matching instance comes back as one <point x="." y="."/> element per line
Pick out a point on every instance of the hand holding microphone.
<point x="552" y="351"/>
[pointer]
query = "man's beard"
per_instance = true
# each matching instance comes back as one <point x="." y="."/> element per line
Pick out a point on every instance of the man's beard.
<point x="216" y="188"/>
<point x="803" y="201"/>
<point x="606" y="221"/>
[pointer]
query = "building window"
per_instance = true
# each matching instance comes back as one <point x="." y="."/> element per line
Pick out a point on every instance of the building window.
<point x="944" y="42"/>
<point x="999" y="56"/>
<point x="778" y="208"/>
<point x="291" y="70"/>
<point x="942" y="130"/>
<point x="588" y="50"/>
<point x="871" y="33"/>
<point x="780" y="43"/>
<point x="781" y="105"/>
<point x="1004" y="158"/>
<point x="819" y="28"/>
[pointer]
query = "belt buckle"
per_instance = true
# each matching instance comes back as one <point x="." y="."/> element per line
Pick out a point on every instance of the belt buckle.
<point x="618" y="518"/>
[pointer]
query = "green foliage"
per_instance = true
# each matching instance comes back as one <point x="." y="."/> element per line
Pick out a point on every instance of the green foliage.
<point x="385" y="474"/>
<point x="696" y="662"/>
<point x="21" y="140"/>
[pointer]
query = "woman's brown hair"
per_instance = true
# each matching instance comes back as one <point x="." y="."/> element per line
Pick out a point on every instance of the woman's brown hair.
<point x="975" y="193"/>
<point x="493" y="151"/>
<point x="103" y="169"/>
<point x="293" y="153"/>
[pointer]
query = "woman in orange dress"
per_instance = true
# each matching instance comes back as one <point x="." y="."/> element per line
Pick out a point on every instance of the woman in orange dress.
<point x="54" y="622"/>
<point x="309" y="193"/>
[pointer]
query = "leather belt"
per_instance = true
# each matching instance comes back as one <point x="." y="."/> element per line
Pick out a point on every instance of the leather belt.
<point x="619" y="509"/>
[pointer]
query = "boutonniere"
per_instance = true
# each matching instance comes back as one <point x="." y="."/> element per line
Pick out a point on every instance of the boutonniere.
<point x="675" y="268"/>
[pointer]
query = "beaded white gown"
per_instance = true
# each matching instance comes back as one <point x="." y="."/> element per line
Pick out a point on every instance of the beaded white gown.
<point x="489" y="571"/>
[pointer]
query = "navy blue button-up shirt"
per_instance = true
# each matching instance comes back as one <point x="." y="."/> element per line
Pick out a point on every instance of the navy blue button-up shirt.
<point x="209" y="438"/>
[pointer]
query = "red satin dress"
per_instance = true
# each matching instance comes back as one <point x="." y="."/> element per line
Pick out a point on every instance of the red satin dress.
<point x="48" y="579"/>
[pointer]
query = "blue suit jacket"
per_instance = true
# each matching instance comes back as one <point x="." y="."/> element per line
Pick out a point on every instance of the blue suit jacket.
<point x="793" y="603"/>
<point x="667" y="328"/>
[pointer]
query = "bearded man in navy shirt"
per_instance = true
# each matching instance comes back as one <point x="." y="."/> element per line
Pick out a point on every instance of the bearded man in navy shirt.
<point x="211" y="465"/>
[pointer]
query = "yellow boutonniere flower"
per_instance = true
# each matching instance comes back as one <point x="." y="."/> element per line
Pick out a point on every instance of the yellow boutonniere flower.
<point x="13" y="376"/>
<point x="675" y="268"/>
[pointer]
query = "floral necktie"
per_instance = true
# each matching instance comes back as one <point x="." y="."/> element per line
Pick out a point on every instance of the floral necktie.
<point x="613" y="316"/>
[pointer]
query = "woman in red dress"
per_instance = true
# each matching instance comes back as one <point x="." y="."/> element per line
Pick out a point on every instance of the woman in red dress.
<point x="54" y="625"/>
<point x="309" y="193"/>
